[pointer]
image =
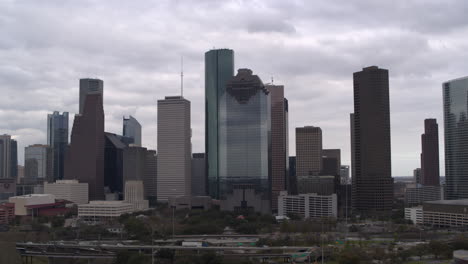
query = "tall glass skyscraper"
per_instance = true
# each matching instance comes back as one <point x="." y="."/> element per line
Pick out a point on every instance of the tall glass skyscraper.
<point x="455" y="95"/>
<point x="57" y="139"/>
<point x="219" y="69"/>
<point x="244" y="136"/>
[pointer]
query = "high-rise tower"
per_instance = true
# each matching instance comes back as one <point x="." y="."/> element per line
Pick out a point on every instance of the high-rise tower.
<point x="308" y="151"/>
<point x="132" y="129"/>
<point x="57" y="139"/>
<point x="430" y="154"/>
<point x="371" y="153"/>
<point x="219" y="69"/>
<point x="455" y="94"/>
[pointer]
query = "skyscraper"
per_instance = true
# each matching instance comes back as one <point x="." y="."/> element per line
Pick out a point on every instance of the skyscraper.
<point x="57" y="139"/>
<point x="245" y="140"/>
<point x="6" y="156"/>
<point x="174" y="148"/>
<point x="85" y="157"/>
<point x="308" y="151"/>
<point x="279" y="143"/>
<point x="87" y="87"/>
<point x="113" y="163"/>
<point x="151" y="177"/>
<point x="455" y="94"/>
<point x="132" y="129"/>
<point x="38" y="162"/>
<point x="417" y="175"/>
<point x="219" y="69"/>
<point x="13" y="159"/>
<point x="331" y="162"/>
<point x="430" y="154"/>
<point x="371" y="154"/>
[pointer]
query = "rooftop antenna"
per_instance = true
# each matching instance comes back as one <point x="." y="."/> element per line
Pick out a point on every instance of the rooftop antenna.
<point x="181" y="76"/>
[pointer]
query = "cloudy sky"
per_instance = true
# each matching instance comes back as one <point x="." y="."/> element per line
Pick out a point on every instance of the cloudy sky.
<point x="312" y="47"/>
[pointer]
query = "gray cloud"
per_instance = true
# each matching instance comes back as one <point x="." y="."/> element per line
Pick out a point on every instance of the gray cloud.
<point x="312" y="47"/>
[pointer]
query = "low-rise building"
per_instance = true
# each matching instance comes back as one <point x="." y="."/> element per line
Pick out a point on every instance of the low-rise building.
<point x="134" y="194"/>
<point x="39" y="205"/>
<point x="99" y="211"/>
<point x="415" y="214"/>
<point x="70" y="190"/>
<point x="309" y="205"/>
<point x="446" y="213"/>
<point x="187" y="202"/>
<point x="460" y="256"/>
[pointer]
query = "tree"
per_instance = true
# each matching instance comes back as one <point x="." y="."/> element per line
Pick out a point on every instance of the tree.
<point x="349" y="257"/>
<point x="128" y="257"/>
<point x="438" y="248"/>
<point x="420" y="250"/>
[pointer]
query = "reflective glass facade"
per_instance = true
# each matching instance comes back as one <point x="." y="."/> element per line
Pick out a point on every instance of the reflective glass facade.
<point x="219" y="69"/>
<point x="455" y="94"/>
<point x="244" y="135"/>
<point x="57" y="138"/>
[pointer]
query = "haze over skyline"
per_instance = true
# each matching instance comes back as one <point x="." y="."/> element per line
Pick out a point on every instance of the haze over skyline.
<point x="312" y="48"/>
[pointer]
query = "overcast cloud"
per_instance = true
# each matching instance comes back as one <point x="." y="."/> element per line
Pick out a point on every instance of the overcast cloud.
<point x="311" y="47"/>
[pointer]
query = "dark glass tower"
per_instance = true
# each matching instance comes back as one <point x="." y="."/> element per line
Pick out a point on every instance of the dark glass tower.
<point x="430" y="154"/>
<point x="132" y="129"/>
<point x="455" y="93"/>
<point x="219" y="69"/>
<point x="371" y="153"/>
<point x="57" y="139"/>
<point x="245" y="136"/>
<point x="113" y="163"/>
<point x="85" y="157"/>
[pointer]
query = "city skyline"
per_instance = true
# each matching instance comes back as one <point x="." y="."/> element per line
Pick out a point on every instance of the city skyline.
<point x="415" y="92"/>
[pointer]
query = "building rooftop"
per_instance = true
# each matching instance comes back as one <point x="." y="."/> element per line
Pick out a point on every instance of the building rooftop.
<point x="450" y="202"/>
<point x="28" y="196"/>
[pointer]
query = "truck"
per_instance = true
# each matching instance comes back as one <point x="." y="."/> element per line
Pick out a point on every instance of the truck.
<point x="194" y="244"/>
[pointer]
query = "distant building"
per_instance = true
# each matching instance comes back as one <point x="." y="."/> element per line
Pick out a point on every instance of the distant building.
<point x="102" y="211"/>
<point x="85" y="156"/>
<point x="279" y="143"/>
<point x="455" y="94"/>
<point x="309" y="205"/>
<point x="331" y="162"/>
<point x="132" y="129"/>
<point x="7" y="213"/>
<point x="134" y="194"/>
<point x="420" y="194"/>
<point x="150" y="178"/>
<point x="344" y="174"/>
<point x="38" y="163"/>
<point x="219" y="69"/>
<point x="57" y="139"/>
<point x="370" y="141"/>
<point x="7" y="188"/>
<point x="292" y="187"/>
<point x="8" y="157"/>
<point x="70" y="190"/>
<point x="20" y="173"/>
<point x="322" y="185"/>
<point x="417" y="175"/>
<point x="140" y="164"/>
<point x="446" y="213"/>
<point x="308" y="150"/>
<point x="24" y="203"/>
<point x="430" y="154"/>
<point x="245" y="198"/>
<point x="198" y="174"/>
<point x="174" y="148"/>
<point x="114" y="148"/>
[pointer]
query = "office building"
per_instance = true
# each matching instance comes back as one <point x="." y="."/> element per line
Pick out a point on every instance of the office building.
<point x="38" y="163"/>
<point x="430" y="154"/>
<point x="85" y="156"/>
<point x="150" y="178"/>
<point x="309" y="205"/>
<point x="198" y="174"/>
<point x="70" y="190"/>
<point x="322" y="185"/>
<point x="245" y="199"/>
<point x="132" y="129"/>
<point x="245" y="137"/>
<point x="57" y="139"/>
<point x="135" y="194"/>
<point x="279" y="143"/>
<point x="292" y="185"/>
<point x="420" y="194"/>
<point x="7" y="213"/>
<point x="103" y="211"/>
<point x="7" y="188"/>
<point x="417" y="176"/>
<point x="455" y="99"/>
<point x="23" y="203"/>
<point x="113" y="163"/>
<point x="134" y="159"/>
<point x="344" y="174"/>
<point x="174" y="148"/>
<point x="194" y="202"/>
<point x="370" y="141"/>
<point x="331" y="162"/>
<point x="219" y="69"/>
<point x="89" y="87"/>
<point x="8" y="157"/>
<point x="308" y="150"/>
<point x="20" y="171"/>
